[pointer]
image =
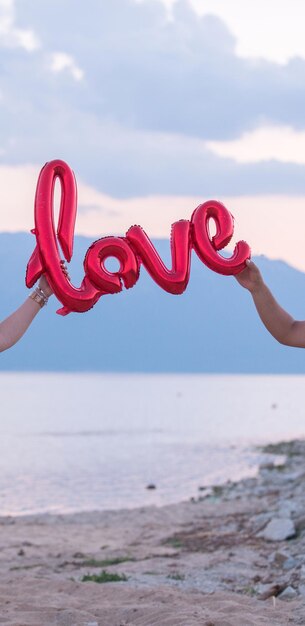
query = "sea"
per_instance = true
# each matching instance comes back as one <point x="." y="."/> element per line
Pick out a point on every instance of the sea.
<point x="92" y="441"/>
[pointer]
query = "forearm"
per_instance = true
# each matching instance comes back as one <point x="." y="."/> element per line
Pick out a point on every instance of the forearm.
<point x="15" y="325"/>
<point x="277" y="321"/>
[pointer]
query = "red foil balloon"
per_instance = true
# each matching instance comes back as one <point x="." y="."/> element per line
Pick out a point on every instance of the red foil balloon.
<point x="175" y="280"/>
<point x="130" y="251"/>
<point x="207" y="248"/>
<point x="46" y="257"/>
<point x="111" y="282"/>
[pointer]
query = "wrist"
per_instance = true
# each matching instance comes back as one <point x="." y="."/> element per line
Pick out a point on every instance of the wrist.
<point x="45" y="289"/>
<point x="39" y="296"/>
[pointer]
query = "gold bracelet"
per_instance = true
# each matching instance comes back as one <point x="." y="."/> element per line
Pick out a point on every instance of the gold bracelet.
<point x="39" y="297"/>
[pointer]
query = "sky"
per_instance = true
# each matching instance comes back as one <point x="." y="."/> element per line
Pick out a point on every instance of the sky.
<point x="158" y="105"/>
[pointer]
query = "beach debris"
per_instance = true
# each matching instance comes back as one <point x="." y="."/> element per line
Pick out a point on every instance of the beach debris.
<point x="278" y="529"/>
<point x="288" y="594"/>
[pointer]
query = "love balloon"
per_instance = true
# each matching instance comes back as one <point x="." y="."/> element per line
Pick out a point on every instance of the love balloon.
<point x="131" y="251"/>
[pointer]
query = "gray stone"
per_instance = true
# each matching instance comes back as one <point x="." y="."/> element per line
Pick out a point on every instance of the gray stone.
<point x="257" y="522"/>
<point x="302" y="590"/>
<point x="288" y="594"/>
<point x="279" y="558"/>
<point x="290" y="563"/>
<point x="287" y="507"/>
<point x="278" y="529"/>
<point x="300" y="523"/>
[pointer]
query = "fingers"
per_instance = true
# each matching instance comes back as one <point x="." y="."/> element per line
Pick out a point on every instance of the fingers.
<point x="64" y="269"/>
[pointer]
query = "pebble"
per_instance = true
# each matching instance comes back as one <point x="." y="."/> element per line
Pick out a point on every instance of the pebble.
<point x="259" y="521"/>
<point x="278" y="558"/>
<point x="290" y="563"/>
<point x="286" y="508"/>
<point x="278" y="529"/>
<point x="288" y="594"/>
<point x="302" y="590"/>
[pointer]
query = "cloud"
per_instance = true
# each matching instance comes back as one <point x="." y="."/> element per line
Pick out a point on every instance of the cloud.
<point x="180" y="75"/>
<point x="10" y="35"/>
<point x="60" y="62"/>
<point x="281" y="143"/>
<point x="271" y="30"/>
<point x="132" y="99"/>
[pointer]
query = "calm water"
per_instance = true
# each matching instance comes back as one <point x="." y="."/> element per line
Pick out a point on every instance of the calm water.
<point x="94" y="441"/>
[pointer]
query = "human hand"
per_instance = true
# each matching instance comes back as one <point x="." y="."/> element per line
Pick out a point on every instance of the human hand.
<point x="250" y="278"/>
<point x="44" y="284"/>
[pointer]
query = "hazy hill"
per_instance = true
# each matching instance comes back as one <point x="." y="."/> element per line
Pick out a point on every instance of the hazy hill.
<point x="212" y="327"/>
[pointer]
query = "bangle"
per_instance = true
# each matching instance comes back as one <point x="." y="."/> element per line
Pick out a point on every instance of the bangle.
<point x="39" y="296"/>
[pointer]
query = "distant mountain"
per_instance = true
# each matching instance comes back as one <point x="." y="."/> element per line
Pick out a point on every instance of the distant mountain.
<point x="212" y="327"/>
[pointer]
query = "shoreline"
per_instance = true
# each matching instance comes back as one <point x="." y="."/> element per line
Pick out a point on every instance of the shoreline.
<point x="233" y="557"/>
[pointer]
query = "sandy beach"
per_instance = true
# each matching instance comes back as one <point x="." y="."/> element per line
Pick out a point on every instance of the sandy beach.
<point x="234" y="556"/>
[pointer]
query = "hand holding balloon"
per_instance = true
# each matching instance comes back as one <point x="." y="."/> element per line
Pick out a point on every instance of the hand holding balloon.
<point x="250" y="278"/>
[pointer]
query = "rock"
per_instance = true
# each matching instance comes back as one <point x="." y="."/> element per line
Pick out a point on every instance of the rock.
<point x="290" y="563"/>
<point x="278" y="529"/>
<point x="283" y="560"/>
<point x="257" y="522"/>
<point x="286" y="508"/>
<point x="151" y="486"/>
<point x="288" y="594"/>
<point x="300" y="523"/>
<point x="302" y="590"/>
<point x="278" y="558"/>
<point x="269" y="591"/>
<point x="267" y="466"/>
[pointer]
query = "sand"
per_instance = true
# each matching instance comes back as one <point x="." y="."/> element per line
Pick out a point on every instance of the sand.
<point x="233" y="557"/>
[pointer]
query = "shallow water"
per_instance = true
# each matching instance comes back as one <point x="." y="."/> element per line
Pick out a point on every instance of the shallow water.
<point x="94" y="441"/>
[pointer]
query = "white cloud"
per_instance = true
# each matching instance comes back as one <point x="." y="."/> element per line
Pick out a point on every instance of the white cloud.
<point x="155" y="93"/>
<point x="282" y="143"/>
<point x="60" y="61"/>
<point x="271" y="29"/>
<point x="10" y="35"/>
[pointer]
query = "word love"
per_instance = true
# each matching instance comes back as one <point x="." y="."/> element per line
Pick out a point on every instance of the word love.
<point x="131" y="251"/>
